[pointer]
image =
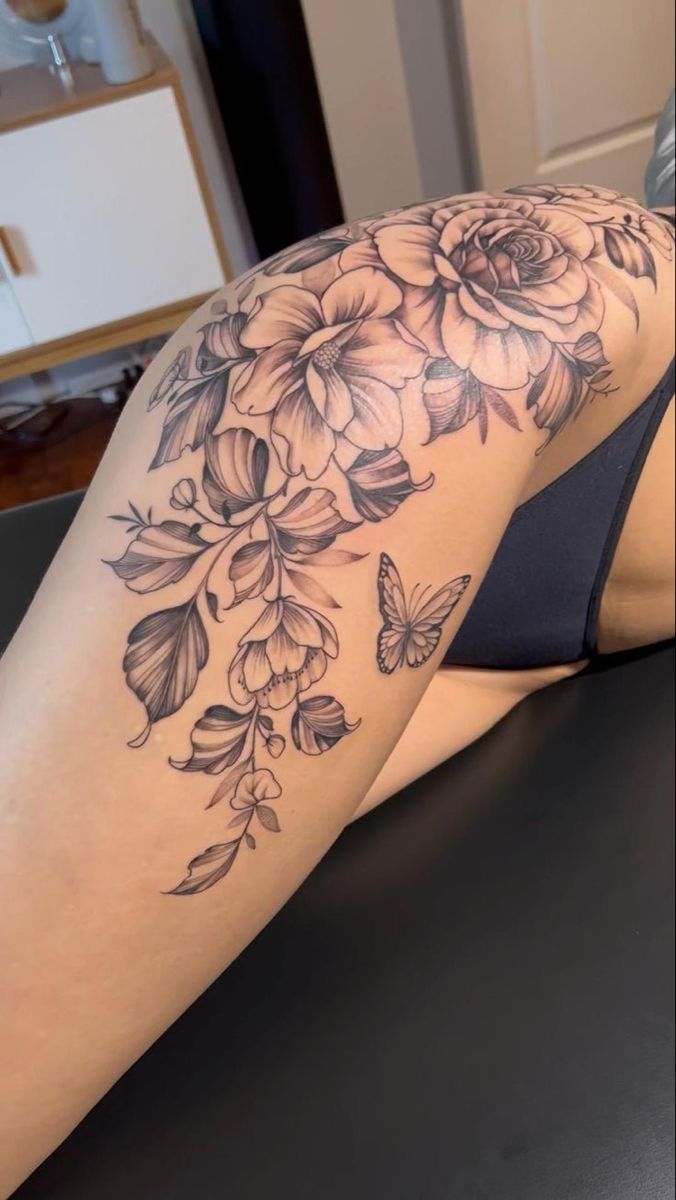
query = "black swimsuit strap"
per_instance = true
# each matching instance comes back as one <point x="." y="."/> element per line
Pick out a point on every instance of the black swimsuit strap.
<point x="659" y="400"/>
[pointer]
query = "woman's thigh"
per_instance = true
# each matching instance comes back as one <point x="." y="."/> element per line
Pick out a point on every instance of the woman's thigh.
<point x="255" y="657"/>
<point x="295" y="540"/>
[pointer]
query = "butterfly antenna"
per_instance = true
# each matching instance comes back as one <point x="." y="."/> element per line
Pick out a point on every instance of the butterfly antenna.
<point x="418" y="601"/>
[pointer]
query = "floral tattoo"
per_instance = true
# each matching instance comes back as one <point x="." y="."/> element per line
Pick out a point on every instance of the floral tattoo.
<point x="479" y="302"/>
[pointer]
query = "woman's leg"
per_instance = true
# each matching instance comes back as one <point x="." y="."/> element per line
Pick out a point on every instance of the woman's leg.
<point x="295" y="542"/>
<point x="457" y="708"/>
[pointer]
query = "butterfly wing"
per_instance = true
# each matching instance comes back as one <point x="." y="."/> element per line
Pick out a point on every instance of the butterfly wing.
<point x="427" y="619"/>
<point x="392" y="639"/>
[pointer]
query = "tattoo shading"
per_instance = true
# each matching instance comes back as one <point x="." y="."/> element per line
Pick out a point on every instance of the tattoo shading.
<point x="491" y="308"/>
<point x="411" y="629"/>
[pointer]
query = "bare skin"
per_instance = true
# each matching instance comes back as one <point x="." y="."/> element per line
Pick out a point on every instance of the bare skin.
<point x="637" y="609"/>
<point x="396" y="393"/>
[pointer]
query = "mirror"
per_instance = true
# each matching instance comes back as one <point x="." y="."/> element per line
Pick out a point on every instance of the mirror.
<point x="37" y="12"/>
<point x="34" y="21"/>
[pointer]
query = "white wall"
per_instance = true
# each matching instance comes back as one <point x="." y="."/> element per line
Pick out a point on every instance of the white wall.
<point x="360" y="75"/>
<point x="391" y="112"/>
<point x="433" y="73"/>
<point x="172" y="23"/>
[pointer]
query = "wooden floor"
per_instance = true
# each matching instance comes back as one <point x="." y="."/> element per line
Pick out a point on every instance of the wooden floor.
<point x="31" y="474"/>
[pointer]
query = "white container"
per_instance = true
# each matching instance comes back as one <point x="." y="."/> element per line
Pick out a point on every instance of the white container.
<point x="117" y="29"/>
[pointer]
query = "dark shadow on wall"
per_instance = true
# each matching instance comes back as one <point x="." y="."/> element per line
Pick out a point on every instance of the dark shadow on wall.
<point x="263" y="76"/>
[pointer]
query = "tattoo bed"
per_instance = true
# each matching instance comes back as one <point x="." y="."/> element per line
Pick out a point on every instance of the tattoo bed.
<point x="477" y="1004"/>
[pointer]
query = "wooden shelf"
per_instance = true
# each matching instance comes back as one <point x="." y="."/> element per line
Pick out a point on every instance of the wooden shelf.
<point x="32" y="94"/>
<point x="98" y="340"/>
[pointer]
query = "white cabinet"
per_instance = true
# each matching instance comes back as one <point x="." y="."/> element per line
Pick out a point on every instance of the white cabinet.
<point x="107" y="231"/>
<point x="109" y="215"/>
<point x="14" y="332"/>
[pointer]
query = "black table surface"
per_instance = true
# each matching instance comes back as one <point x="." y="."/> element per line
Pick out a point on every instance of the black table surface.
<point x="470" y="998"/>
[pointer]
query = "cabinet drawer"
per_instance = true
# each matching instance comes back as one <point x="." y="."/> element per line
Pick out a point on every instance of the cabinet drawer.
<point x="109" y="215"/>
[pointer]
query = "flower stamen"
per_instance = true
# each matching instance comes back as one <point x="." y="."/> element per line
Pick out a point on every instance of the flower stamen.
<point x="326" y="356"/>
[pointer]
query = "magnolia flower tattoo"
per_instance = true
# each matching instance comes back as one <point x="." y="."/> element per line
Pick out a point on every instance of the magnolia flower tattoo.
<point x="472" y="301"/>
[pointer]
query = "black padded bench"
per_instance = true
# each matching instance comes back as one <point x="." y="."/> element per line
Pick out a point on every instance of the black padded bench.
<point x="470" y="998"/>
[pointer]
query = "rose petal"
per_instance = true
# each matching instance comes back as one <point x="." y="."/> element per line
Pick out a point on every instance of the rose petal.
<point x="408" y="250"/>
<point x="569" y="288"/>
<point x="590" y="312"/>
<point x="464" y="222"/>
<point x="559" y="324"/>
<point x="496" y="229"/>
<point x="365" y="292"/>
<point x="262" y="385"/>
<point x="303" y="440"/>
<point x="481" y="206"/>
<point x="485" y="314"/>
<point x="553" y="269"/>
<point x="502" y="359"/>
<point x="574" y="234"/>
<point x="377" y="421"/>
<point x="284" y="313"/>
<point x="534" y="318"/>
<point x="421" y="314"/>
<point x="445" y="269"/>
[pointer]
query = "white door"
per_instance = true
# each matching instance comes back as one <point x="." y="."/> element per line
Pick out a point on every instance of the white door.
<point x="567" y="92"/>
<point x="107" y="215"/>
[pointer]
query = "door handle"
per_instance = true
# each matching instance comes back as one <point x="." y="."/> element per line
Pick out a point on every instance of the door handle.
<point x="9" y="252"/>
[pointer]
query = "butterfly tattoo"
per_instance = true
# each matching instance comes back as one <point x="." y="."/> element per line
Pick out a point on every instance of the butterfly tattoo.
<point x="412" y="629"/>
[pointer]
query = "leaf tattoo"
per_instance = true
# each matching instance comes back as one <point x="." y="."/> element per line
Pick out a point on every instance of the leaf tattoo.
<point x="193" y="414"/>
<point x="235" y="472"/>
<point x="160" y="555"/>
<point x="453" y="398"/>
<point x="208" y="868"/>
<point x="252" y="792"/>
<point x="165" y="654"/>
<point x="289" y="413"/>
<point x="219" y="740"/>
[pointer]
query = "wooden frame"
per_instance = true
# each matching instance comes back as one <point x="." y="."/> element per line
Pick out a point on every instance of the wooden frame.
<point x="30" y="96"/>
<point x="137" y="328"/>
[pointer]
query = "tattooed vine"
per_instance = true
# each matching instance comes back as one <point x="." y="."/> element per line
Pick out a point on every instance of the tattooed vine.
<point x="486" y="302"/>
